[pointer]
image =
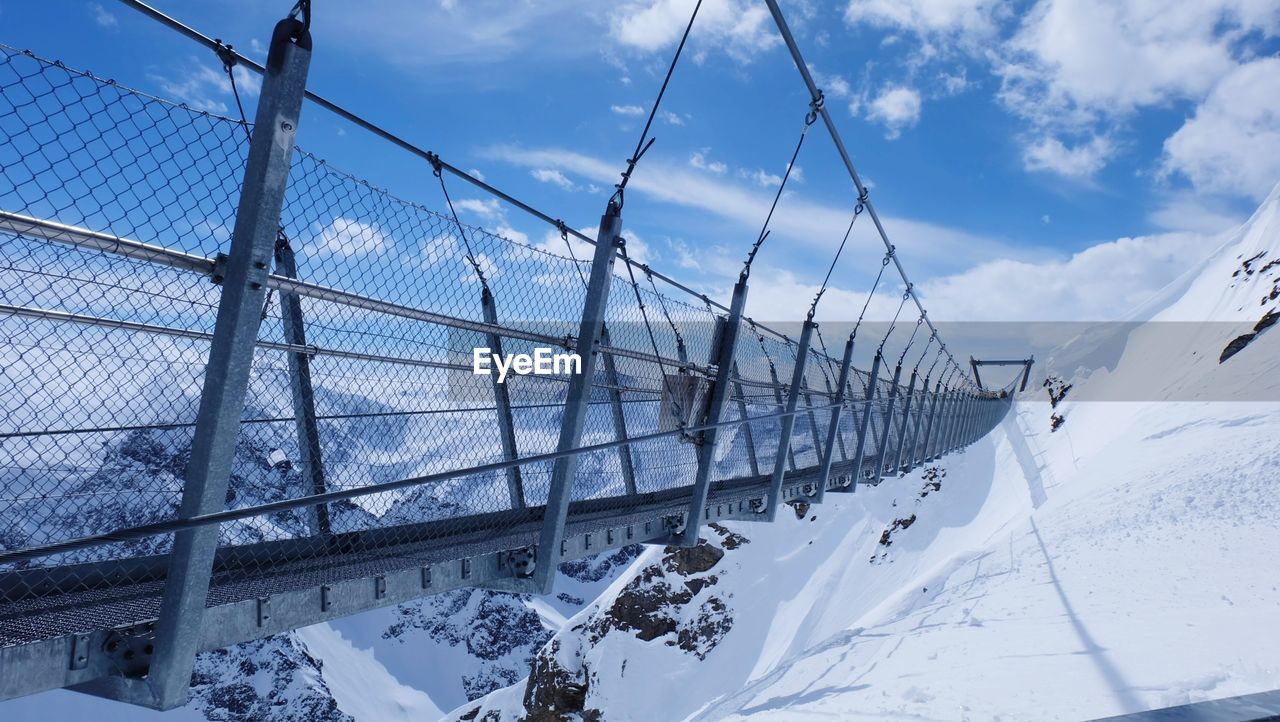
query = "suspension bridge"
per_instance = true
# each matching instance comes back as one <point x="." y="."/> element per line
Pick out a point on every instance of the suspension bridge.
<point x="227" y="415"/>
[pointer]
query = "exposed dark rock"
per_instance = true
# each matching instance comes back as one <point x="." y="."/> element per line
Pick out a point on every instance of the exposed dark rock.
<point x="553" y="693"/>
<point x="495" y="627"/>
<point x="692" y="560"/>
<point x="707" y="629"/>
<point x="886" y="538"/>
<point x="800" y="507"/>
<point x="269" y="679"/>
<point x="1056" y="421"/>
<point x="729" y="539"/>
<point x="595" y="568"/>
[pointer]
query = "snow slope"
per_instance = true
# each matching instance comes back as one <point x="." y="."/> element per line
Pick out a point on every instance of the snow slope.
<point x="1123" y="562"/>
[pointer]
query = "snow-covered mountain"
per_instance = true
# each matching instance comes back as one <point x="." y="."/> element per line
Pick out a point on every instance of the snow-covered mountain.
<point x="1122" y="562"/>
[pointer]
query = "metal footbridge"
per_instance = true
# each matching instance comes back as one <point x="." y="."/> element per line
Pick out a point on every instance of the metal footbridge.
<point x="237" y="394"/>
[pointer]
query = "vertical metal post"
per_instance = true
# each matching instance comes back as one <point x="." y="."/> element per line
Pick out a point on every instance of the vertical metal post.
<point x="948" y="430"/>
<point x="962" y="403"/>
<point x="226" y="380"/>
<point x="619" y="418"/>
<point x="925" y="455"/>
<point x="906" y="422"/>
<point x="833" y="430"/>
<point x="865" y="424"/>
<point x="304" y="399"/>
<point x="888" y="424"/>
<point x="579" y="393"/>
<point x="915" y="432"/>
<point x="831" y="394"/>
<point x="777" y="396"/>
<point x="789" y="421"/>
<point x="748" y="436"/>
<point x="813" y="418"/>
<point x="502" y="405"/>
<point x="719" y="399"/>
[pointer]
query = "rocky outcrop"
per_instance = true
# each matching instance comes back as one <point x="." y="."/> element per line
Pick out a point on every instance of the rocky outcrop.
<point x="498" y="628"/>
<point x="274" y="679"/>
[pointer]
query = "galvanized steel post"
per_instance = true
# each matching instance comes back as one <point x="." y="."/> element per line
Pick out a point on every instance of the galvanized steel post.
<point x="502" y="405"/>
<point x="788" y="422"/>
<point x="888" y="424"/>
<point x="310" y="459"/>
<point x="833" y="430"/>
<point x="619" y="418"/>
<point x="905" y="426"/>
<point x="230" y="358"/>
<point x="576" y="399"/>
<point x="865" y="424"/>
<point x="748" y="436"/>
<point x="719" y="399"/>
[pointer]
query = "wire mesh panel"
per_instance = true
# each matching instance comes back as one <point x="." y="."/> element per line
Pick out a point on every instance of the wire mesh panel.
<point x="103" y="353"/>
<point x="115" y="207"/>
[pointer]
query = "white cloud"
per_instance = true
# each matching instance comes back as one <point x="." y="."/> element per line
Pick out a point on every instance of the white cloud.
<point x="553" y="176"/>
<point x="762" y="177"/>
<point x="924" y="246"/>
<point x="347" y="237"/>
<point x="1083" y="67"/>
<point x="553" y="243"/>
<point x="512" y="234"/>
<point x="1101" y="283"/>
<point x="102" y="16"/>
<point x="897" y="107"/>
<point x="488" y="208"/>
<point x="1232" y="143"/>
<point x="467" y="34"/>
<point x="1079" y="162"/>
<point x="205" y="88"/>
<point x="627" y="109"/>
<point x="475" y="172"/>
<point x="741" y="29"/>
<point x="972" y="19"/>
<point x="699" y="160"/>
<point x="671" y="118"/>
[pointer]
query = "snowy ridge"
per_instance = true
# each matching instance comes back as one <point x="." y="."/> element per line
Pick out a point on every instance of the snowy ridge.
<point x="1121" y="563"/>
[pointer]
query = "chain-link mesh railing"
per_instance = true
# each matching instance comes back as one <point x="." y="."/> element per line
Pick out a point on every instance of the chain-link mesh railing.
<point x="115" y="207"/>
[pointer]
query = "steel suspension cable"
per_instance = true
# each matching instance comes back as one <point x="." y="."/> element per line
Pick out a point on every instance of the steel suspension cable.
<point x="462" y="232"/>
<point x="643" y="145"/>
<point x="914" y="331"/>
<point x="857" y="211"/>
<point x="385" y="134"/>
<point x="809" y="119"/>
<point x="816" y="94"/>
<point x="871" y="294"/>
<point x="894" y="323"/>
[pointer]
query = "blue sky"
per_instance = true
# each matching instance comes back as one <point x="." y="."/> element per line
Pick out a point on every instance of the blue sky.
<point x="1060" y="159"/>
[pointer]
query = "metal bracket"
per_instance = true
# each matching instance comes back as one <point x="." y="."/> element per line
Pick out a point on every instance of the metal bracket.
<point x="521" y="562"/>
<point x="219" y="273"/>
<point x="80" y="651"/>
<point x="264" y="611"/>
<point x="674" y="523"/>
<point x="130" y="649"/>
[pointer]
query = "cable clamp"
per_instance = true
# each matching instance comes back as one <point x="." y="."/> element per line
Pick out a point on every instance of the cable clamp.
<point x="815" y="106"/>
<point x="226" y="54"/>
<point x="437" y="166"/>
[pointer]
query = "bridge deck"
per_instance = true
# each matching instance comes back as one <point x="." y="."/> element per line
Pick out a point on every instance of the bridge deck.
<point x="359" y="555"/>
